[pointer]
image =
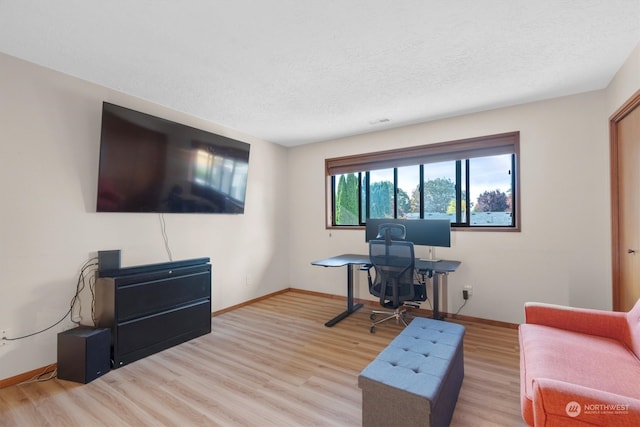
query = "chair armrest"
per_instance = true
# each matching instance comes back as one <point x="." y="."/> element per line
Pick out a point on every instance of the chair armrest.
<point x="609" y="324"/>
<point x="557" y="403"/>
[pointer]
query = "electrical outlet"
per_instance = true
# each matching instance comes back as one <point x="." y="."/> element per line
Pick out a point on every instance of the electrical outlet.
<point x="4" y="333"/>
<point x="469" y="290"/>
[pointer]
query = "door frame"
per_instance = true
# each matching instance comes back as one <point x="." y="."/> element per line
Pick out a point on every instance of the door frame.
<point x="631" y="104"/>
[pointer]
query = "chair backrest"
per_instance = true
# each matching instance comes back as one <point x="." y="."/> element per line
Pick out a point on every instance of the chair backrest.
<point x="394" y="264"/>
<point x="391" y="231"/>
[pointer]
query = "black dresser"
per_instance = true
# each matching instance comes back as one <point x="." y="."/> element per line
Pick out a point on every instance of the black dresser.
<point x="149" y="308"/>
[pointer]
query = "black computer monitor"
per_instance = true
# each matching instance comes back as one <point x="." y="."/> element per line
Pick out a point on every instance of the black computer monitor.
<point x="422" y="232"/>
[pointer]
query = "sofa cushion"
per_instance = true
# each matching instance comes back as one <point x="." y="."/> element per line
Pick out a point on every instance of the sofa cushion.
<point x="595" y="362"/>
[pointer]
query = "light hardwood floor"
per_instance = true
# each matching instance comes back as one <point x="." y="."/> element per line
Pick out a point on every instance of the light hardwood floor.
<point x="271" y="363"/>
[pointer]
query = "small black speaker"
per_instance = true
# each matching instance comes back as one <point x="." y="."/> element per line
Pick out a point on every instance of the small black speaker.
<point x="109" y="260"/>
<point x="84" y="354"/>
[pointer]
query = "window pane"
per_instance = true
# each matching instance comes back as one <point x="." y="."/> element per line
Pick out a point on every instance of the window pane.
<point x="440" y="190"/>
<point x="381" y="193"/>
<point x="490" y="187"/>
<point x="409" y="192"/>
<point x="346" y="200"/>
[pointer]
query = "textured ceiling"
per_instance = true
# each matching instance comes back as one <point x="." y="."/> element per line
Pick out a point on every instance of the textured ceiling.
<point x="294" y="72"/>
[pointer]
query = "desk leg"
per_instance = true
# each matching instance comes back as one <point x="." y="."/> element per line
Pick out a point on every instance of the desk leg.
<point x="351" y="308"/>
<point x="436" y="296"/>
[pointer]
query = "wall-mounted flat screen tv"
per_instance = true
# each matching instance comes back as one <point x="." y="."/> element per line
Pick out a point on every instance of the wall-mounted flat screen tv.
<point x="149" y="164"/>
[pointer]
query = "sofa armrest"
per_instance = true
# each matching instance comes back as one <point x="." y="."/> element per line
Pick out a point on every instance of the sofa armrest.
<point x="609" y="324"/>
<point x="557" y="403"/>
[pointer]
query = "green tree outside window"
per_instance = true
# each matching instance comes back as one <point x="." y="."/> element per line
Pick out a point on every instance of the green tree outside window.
<point x="347" y="200"/>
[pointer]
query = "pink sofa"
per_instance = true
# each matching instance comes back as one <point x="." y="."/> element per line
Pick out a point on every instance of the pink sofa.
<point x="580" y="366"/>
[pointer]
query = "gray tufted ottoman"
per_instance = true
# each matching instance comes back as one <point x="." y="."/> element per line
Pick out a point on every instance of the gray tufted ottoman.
<point x="416" y="379"/>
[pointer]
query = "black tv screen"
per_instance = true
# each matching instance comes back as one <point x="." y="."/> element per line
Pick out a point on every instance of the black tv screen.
<point x="149" y="164"/>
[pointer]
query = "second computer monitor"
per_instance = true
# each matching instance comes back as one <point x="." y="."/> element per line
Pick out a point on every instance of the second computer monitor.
<point x="423" y="232"/>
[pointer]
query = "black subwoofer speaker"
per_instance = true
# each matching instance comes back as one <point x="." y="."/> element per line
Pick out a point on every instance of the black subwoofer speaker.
<point x="84" y="354"/>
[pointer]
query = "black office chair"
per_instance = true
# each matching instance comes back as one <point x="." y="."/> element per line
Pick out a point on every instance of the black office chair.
<point x="394" y="263"/>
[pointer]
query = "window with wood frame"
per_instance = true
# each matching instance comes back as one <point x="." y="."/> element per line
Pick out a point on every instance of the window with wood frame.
<point x="473" y="182"/>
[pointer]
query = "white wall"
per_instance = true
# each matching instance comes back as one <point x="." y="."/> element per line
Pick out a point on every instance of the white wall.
<point x="625" y="83"/>
<point x="563" y="253"/>
<point x="49" y="145"/>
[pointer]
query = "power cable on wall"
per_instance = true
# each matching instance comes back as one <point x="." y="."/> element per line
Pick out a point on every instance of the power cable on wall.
<point x="165" y="237"/>
<point x="80" y="286"/>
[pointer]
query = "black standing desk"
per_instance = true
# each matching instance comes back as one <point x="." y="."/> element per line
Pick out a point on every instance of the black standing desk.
<point x="425" y="267"/>
<point x="340" y="261"/>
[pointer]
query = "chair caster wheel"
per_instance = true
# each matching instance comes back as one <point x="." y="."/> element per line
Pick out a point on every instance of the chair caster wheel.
<point x="372" y="316"/>
<point x="372" y="330"/>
